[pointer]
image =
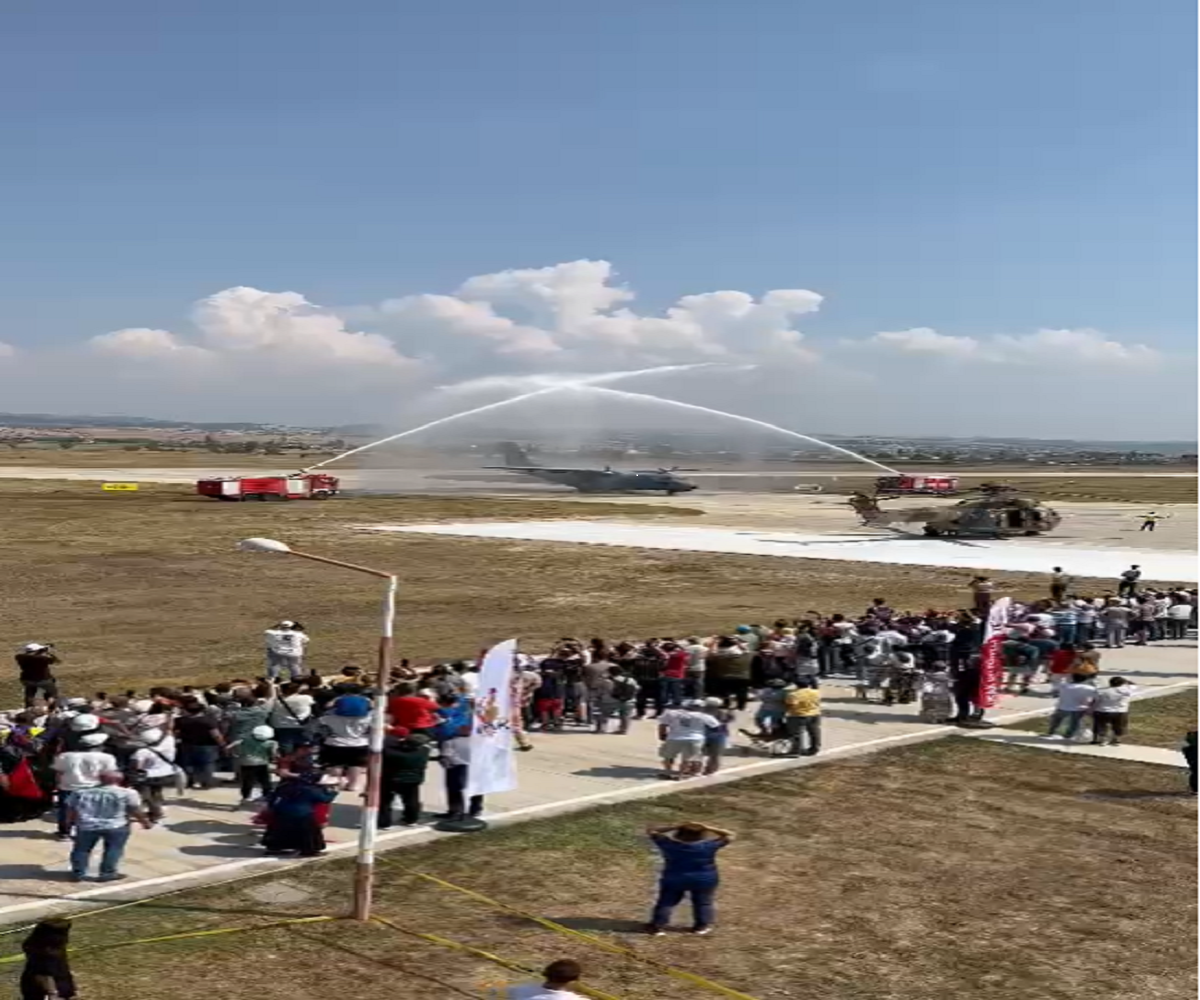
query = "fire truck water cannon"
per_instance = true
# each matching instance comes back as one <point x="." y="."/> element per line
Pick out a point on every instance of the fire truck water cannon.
<point x="907" y="486"/>
<point x="299" y="486"/>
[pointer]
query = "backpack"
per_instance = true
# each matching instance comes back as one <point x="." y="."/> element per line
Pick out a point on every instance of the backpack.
<point x="624" y="689"/>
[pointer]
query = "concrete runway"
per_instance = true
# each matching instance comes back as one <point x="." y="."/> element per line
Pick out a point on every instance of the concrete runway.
<point x="1034" y="555"/>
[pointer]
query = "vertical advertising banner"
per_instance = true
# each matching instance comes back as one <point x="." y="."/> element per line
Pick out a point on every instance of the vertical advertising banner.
<point x="991" y="659"/>
<point x="493" y="764"/>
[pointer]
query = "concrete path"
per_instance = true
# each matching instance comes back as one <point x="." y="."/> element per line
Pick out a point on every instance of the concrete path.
<point x="205" y="837"/>
<point x="1126" y="751"/>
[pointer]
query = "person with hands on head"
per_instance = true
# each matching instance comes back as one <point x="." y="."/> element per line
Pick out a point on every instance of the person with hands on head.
<point x="689" y="852"/>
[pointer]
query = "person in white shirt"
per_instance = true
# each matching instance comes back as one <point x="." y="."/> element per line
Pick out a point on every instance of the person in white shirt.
<point x="79" y="769"/>
<point x="1075" y="700"/>
<point x="285" y="649"/>
<point x="154" y="765"/>
<point x="682" y="731"/>
<point x="290" y="715"/>
<point x="556" y="977"/>
<point x="1110" y="711"/>
<point x="1179" y="616"/>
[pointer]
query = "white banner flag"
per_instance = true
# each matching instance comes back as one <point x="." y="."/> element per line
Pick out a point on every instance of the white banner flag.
<point x="493" y="763"/>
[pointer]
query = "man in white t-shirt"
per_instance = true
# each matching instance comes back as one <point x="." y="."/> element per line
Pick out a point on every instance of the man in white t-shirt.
<point x="556" y="977"/>
<point x="290" y="714"/>
<point x="285" y="649"/>
<point x="682" y="732"/>
<point x="155" y="765"/>
<point x="80" y="769"/>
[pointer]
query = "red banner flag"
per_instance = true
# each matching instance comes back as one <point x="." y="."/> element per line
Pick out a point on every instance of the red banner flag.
<point x="991" y="658"/>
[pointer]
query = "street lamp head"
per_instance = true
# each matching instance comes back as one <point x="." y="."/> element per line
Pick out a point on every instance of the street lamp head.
<point x="262" y="545"/>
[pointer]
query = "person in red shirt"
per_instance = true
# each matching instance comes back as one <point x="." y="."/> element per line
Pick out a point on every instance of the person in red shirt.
<point x="671" y="675"/>
<point x="1061" y="662"/>
<point x="412" y="711"/>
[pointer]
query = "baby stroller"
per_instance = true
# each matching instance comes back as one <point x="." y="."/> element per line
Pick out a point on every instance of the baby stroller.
<point x="775" y="743"/>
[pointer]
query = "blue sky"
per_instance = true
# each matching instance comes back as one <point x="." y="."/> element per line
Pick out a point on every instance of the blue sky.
<point x="976" y="168"/>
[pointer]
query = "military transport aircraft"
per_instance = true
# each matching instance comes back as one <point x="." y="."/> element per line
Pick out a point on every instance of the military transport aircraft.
<point x="604" y="480"/>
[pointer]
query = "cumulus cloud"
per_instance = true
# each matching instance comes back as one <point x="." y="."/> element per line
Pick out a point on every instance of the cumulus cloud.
<point x="144" y="343"/>
<point x="254" y="354"/>
<point x="242" y="323"/>
<point x="1082" y="346"/>
<point x="574" y="314"/>
<point x="1085" y="345"/>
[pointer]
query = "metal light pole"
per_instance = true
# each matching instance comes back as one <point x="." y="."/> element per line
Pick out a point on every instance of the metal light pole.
<point x="364" y="871"/>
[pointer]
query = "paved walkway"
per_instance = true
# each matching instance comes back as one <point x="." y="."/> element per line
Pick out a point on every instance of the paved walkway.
<point x="205" y="837"/>
<point x="1126" y="751"/>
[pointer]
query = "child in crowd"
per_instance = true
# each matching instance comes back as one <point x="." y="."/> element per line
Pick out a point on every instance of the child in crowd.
<point x="253" y="756"/>
<point x="1075" y="700"/>
<point x="1110" y="711"/>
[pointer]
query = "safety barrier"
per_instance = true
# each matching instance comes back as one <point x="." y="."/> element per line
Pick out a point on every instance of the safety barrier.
<point x="210" y="932"/>
<point x="617" y="949"/>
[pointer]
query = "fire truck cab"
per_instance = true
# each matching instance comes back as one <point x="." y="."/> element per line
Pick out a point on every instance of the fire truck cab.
<point x="906" y="485"/>
<point x="302" y="486"/>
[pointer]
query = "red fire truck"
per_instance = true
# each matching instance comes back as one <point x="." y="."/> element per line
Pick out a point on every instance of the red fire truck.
<point x="906" y="485"/>
<point x="300" y="486"/>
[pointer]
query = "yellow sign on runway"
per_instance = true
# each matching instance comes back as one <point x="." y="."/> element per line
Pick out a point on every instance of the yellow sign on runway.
<point x="119" y="486"/>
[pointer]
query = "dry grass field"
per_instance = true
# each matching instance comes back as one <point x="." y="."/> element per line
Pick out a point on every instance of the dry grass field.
<point x="146" y="587"/>
<point x="948" y="870"/>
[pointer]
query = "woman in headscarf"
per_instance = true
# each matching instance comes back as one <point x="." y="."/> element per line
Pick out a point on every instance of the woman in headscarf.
<point x="293" y="816"/>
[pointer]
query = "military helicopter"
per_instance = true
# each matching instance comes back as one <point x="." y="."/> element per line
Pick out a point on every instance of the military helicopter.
<point x="604" y="480"/>
<point x="996" y="511"/>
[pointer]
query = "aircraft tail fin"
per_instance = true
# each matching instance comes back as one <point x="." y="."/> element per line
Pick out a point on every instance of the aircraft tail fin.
<point x="514" y="454"/>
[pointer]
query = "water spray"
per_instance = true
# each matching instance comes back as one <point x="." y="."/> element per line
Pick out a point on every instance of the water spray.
<point x="582" y="382"/>
<point x="592" y="384"/>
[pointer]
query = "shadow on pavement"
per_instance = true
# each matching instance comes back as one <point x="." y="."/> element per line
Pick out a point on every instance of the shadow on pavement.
<point x="618" y="771"/>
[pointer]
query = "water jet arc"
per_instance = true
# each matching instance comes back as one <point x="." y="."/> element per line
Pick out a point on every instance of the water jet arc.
<point x="745" y="420"/>
<point x="581" y="383"/>
<point x="620" y="393"/>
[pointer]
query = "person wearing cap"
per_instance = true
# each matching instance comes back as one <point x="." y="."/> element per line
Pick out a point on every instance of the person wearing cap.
<point x="346" y="727"/>
<point x="682" y="731"/>
<point x="253" y="755"/>
<point x="35" y="662"/>
<point x="80" y="769"/>
<point x="102" y="815"/>
<point x="152" y="768"/>
<point x="405" y="759"/>
<point x="285" y="649"/>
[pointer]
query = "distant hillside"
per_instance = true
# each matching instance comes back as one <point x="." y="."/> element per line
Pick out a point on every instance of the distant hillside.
<point x="85" y="420"/>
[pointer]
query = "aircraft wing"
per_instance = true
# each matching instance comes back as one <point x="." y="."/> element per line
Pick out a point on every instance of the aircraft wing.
<point x="534" y="468"/>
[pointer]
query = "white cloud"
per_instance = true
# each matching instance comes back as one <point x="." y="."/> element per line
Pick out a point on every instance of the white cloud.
<point x="142" y="343"/>
<point x="445" y="314"/>
<point x="289" y="327"/>
<point x="923" y="340"/>
<point x="1090" y="346"/>
<point x="249" y="353"/>
<point x="1082" y="346"/>
<point x="573" y="314"/>
<point x="7" y="350"/>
